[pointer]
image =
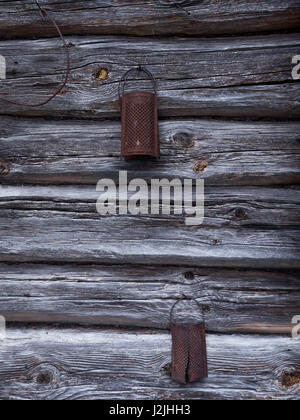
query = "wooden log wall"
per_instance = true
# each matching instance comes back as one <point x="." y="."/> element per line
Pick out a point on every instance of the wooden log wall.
<point x="86" y="297"/>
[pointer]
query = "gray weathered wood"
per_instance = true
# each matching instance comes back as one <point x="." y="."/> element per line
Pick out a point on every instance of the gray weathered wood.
<point x="50" y="218"/>
<point x="60" y="262"/>
<point x="82" y="152"/>
<point x="224" y="207"/>
<point x="140" y="296"/>
<point x="97" y="364"/>
<point x="60" y="236"/>
<point x="239" y="77"/>
<point x="151" y="17"/>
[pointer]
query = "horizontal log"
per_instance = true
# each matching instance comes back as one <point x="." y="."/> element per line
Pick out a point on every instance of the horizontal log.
<point x="224" y="207"/>
<point x="153" y="17"/>
<point x="240" y="301"/>
<point x="59" y="236"/>
<point x="228" y="77"/>
<point x="91" y="364"/>
<point x="82" y="152"/>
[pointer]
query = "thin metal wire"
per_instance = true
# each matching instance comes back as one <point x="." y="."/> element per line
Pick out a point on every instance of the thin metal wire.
<point x="124" y="79"/>
<point x="44" y="13"/>
<point x="188" y="298"/>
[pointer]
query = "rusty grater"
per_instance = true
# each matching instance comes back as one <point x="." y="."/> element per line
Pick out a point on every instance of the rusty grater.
<point x="139" y="113"/>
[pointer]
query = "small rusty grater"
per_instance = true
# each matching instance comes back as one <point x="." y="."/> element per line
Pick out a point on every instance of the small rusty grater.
<point x="189" y="354"/>
<point x="139" y="113"/>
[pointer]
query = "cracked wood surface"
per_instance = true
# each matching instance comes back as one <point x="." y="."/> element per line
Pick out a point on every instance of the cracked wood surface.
<point x="60" y="236"/>
<point x="243" y="301"/>
<point x="149" y="17"/>
<point x="251" y="207"/>
<point x="227" y="77"/>
<point x="82" y="152"/>
<point x="62" y="264"/>
<point x="56" y="364"/>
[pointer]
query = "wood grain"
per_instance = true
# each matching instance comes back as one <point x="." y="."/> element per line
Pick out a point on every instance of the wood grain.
<point x="82" y="152"/>
<point x="151" y="17"/>
<point x="52" y="364"/>
<point x="227" y="77"/>
<point x="272" y="208"/>
<point x="227" y="103"/>
<point x="257" y="227"/>
<point x="59" y="236"/>
<point x="139" y="296"/>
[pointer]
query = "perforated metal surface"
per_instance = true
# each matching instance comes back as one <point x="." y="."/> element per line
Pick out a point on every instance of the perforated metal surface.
<point x="197" y="353"/>
<point x="139" y="119"/>
<point x="139" y="125"/>
<point x="180" y="353"/>
<point x="189" y="358"/>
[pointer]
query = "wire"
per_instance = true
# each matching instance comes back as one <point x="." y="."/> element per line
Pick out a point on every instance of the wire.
<point x="44" y="13"/>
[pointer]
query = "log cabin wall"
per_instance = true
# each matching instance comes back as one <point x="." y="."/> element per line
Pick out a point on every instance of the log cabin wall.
<point x="87" y="298"/>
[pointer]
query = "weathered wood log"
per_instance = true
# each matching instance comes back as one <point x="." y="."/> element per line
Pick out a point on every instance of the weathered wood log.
<point x="106" y="364"/>
<point x="82" y="152"/>
<point x="60" y="236"/>
<point x="48" y="220"/>
<point x="224" y="207"/>
<point x="231" y="77"/>
<point x="153" y="17"/>
<point x="139" y="296"/>
<point x="52" y="241"/>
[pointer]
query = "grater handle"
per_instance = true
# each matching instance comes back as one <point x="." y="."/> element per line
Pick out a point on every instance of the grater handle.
<point x="125" y="79"/>
<point x="184" y="297"/>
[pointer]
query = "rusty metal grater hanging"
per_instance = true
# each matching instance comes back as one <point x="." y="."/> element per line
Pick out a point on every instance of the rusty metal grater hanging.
<point x="189" y="354"/>
<point x="139" y="113"/>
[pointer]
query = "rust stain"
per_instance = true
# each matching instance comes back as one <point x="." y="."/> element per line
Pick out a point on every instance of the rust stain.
<point x="200" y="167"/>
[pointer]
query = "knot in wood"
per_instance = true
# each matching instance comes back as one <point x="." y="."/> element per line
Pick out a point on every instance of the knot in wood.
<point x="290" y="379"/>
<point x="44" y="374"/>
<point x="206" y="309"/>
<point x="240" y="213"/>
<point x="3" y="168"/>
<point x="199" y="167"/>
<point x="189" y="275"/>
<point x="184" y="139"/>
<point x="101" y="75"/>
